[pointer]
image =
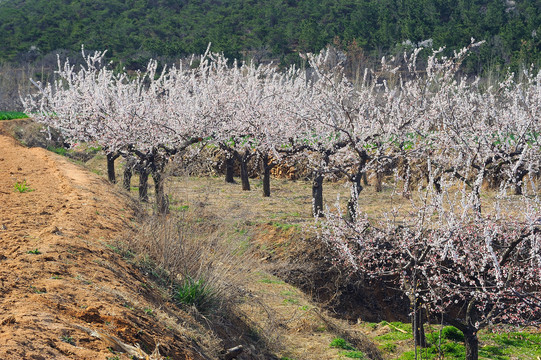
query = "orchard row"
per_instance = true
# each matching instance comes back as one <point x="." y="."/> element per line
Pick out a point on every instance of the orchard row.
<point x="442" y="136"/>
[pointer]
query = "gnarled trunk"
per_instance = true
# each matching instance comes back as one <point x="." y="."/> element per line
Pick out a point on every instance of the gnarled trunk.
<point x="519" y="175"/>
<point x="265" y="174"/>
<point x="379" y="180"/>
<point x="418" y="326"/>
<point x="317" y="194"/>
<point x="244" y="178"/>
<point x="472" y="343"/>
<point x="356" y="189"/>
<point x="111" y="157"/>
<point x="470" y="332"/>
<point x="243" y="159"/>
<point x="162" y="202"/>
<point x="143" y="183"/>
<point x="126" y="177"/>
<point x="229" y="169"/>
<point x="129" y="167"/>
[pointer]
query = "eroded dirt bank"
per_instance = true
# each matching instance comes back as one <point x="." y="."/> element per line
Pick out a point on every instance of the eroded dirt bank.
<point x="63" y="292"/>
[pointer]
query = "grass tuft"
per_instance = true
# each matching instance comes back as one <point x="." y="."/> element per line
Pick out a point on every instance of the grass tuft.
<point x="22" y="187"/>
<point x="196" y="292"/>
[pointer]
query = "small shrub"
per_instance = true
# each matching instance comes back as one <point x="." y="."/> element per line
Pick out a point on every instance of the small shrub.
<point x="196" y="292"/>
<point x="452" y="333"/>
<point x="22" y="187"/>
<point x="68" y="339"/>
<point x="340" y="343"/>
<point x="33" y="252"/>
<point x="389" y="347"/>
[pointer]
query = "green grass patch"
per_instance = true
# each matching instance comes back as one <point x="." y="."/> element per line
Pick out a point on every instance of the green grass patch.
<point x="268" y="280"/>
<point x="494" y="346"/>
<point x="285" y="227"/>
<point x="58" y="150"/>
<point x="449" y="350"/>
<point x="10" y="115"/>
<point x="394" y="333"/>
<point x="291" y="301"/>
<point x="353" y="354"/>
<point x="521" y="345"/>
<point x="179" y="208"/>
<point x="340" y="343"/>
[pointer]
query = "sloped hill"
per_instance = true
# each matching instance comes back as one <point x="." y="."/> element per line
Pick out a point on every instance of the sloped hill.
<point x="63" y="293"/>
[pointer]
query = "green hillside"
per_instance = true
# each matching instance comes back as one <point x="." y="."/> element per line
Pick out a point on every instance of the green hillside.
<point x="135" y="30"/>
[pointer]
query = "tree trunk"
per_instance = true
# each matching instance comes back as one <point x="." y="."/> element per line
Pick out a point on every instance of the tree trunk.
<point x="126" y="178"/>
<point x="143" y="183"/>
<point x="356" y="189"/>
<point x="418" y="326"/>
<point x="407" y="179"/>
<point x="265" y="170"/>
<point x="245" y="180"/>
<point x="162" y="202"/>
<point x="365" y="179"/>
<point x="518" y="181"/>
<point x="111" y="157"/>
<point x="243" y="160"/>
<point x="437" y="184"/>
<point x="472" y="344"/>
<point x="317" y="194"/>
<point x="379" y="181"/>
<point x="518" y="188"/>
<point x="476" y="200"/>
<point x="229" y="169"/>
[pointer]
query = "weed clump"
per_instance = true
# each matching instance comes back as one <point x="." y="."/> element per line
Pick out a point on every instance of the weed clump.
<point x="452" y="333"/>
<point x="340" y="343"/>
<point x="195" y="292"/>
<point x="22" y="187"/>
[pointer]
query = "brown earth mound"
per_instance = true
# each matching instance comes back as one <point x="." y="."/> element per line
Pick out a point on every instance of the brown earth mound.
<point x="63" y="293"/>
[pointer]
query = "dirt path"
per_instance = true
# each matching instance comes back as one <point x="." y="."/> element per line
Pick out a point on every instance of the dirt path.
<point x="63" y="293"/>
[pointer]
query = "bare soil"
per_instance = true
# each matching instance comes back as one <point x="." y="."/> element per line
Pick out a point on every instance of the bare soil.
<point x="63" y="292"/>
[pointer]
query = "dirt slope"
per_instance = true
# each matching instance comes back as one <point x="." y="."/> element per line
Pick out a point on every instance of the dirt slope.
<point x="63" y="293"/>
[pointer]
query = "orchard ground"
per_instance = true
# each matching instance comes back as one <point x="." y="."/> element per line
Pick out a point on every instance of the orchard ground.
<point x="62" y="275"/>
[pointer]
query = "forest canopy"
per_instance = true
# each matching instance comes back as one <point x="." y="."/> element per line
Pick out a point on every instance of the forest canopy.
<point x="134" y="31"/>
